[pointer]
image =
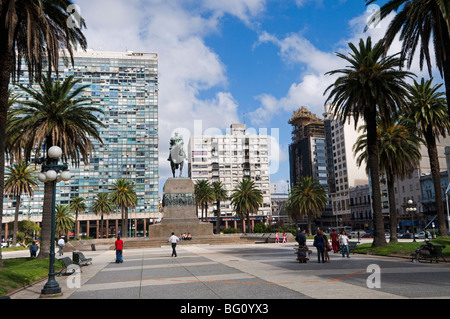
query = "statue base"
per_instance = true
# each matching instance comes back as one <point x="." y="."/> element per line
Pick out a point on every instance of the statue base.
<point x="179" y="212"/>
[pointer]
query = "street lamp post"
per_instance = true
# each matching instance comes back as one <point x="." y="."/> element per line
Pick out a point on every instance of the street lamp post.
<point x="49" y="173"/>
<point x="412" y="209"/>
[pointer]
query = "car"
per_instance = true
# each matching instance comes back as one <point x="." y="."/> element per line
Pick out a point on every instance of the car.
<point x="354" y="234"/>
<point x="420" y="235"/>
<point x="367" y="235"/>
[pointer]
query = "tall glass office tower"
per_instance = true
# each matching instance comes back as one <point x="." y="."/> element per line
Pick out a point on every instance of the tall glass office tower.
<point x="125" y="86"/>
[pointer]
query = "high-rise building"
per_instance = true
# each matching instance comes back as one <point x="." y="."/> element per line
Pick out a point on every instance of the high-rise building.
<point x="307" y="152"/>
<point x="230" y="158"/>
<point x="344" y="172"/>
<point x="125" y="86"/>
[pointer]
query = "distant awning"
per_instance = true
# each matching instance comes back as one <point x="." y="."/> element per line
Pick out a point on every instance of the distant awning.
<point x="408" y="223"/>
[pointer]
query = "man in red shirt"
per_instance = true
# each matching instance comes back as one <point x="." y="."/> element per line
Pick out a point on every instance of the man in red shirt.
<point x="119" y="250"/>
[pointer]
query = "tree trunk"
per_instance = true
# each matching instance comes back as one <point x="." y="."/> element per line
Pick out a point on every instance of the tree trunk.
<point x="218" y="218"/>
<point x="308" y="216"/>
<point x="44" y="252"/>
<point x="379" y="239"/>
<point x="392" y="208"/>
<point x="76" y="235"/>
<point x="16" y="220"/>
<point x="101" y="226"/>
<point x="6" y="63"/>
<point x="436" y="175"/>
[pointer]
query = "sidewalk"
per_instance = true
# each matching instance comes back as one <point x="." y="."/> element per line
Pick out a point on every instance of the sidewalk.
<point x="100" y="260"/>
<point x="243" y="272"/>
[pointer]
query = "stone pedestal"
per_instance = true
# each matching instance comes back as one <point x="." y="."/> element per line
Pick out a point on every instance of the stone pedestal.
<point x="179" y="211"/>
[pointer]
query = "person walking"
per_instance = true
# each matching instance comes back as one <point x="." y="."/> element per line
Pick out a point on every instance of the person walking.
<point x="277" y="240"/>
<point x="284" y="238"/>
<point x="61" y="244"/>
<point x="119" y="250"/>
<point x="343" y="241"/>
<point x="334" y="241"/>
<point x="327" y="247"/>
<point x="319" y="243"/>
<point x="174" y="240"/>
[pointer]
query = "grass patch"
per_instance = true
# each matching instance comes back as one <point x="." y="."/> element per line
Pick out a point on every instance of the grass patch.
<point x="18" y="272"/>
<point x="401" y="248"/>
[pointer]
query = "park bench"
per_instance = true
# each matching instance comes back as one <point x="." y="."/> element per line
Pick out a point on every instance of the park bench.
<point x="67" y="262"/>
<point x="352" y="246"/>
<point x="435" y="255"/>
<point x="80" y="259"/>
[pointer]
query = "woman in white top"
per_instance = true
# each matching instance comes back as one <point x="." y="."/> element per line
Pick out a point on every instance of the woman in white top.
<point x="343" y="241"/>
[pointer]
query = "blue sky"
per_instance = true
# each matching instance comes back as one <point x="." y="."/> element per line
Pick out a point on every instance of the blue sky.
<point x="224" y="62"/>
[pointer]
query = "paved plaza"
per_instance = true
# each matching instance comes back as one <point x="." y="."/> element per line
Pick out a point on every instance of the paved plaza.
<point x="245" y="272"/>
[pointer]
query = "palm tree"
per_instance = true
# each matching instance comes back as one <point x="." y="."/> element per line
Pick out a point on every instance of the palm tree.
<point x="428" y="112"/>
<point x="220" y="194"/>
<point x="203" y="195"/>
<point x="20" y="179"/>
<point x="77" y="205"/>
<point x="64" y="221"/>
<point x="33" y="31"/>
<point x="102" y="205"/>
<point x="124" y="196"/>
<point x="371" y="85"/>
<point x="55" y="115"/>
<point x="308" y="198"/>
<point x="246" y="199"/>
<point x="421" y="21"/>
<point x="399" y="154"/>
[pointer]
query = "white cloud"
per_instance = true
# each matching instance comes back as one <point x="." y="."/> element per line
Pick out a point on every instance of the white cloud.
<point x="295" y="49"/>
<point x="186" y="64"/>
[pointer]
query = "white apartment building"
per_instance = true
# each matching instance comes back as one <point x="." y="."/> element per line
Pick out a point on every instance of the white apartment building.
<point x="230" y="158"/>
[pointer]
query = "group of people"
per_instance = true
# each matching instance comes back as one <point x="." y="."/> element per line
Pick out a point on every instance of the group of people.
<point x="277" y="238"/>
<point x="323" y="245"/>
<point x="185" y="236"/>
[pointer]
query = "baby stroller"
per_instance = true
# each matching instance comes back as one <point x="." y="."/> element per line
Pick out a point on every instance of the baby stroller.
<point x="303" y="254"/>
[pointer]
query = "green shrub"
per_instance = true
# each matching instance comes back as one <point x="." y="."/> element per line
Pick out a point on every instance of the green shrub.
<point x="261" y="228"/>
<point x="231" y="231"/>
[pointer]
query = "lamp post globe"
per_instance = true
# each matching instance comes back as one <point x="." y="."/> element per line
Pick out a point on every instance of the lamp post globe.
<point x="65" y="176"/>
<point x="42" y="177"/>
<point x="51" y="175"/>
<point x="54" y="152"/>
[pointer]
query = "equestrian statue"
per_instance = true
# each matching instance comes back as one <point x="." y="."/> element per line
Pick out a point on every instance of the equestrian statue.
<point x="176" y="154"/>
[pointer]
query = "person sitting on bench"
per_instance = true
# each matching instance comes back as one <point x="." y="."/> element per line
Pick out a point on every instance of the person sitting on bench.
<point x="426" y="249"/>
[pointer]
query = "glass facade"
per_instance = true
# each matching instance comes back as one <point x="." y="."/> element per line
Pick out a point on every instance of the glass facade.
<point x="125" y="86"/>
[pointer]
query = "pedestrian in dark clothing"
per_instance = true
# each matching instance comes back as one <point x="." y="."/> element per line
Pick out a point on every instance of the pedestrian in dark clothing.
<point x="301" y="238"/>
<point x="33" y="249"/>
<point x="319" y="243"/>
